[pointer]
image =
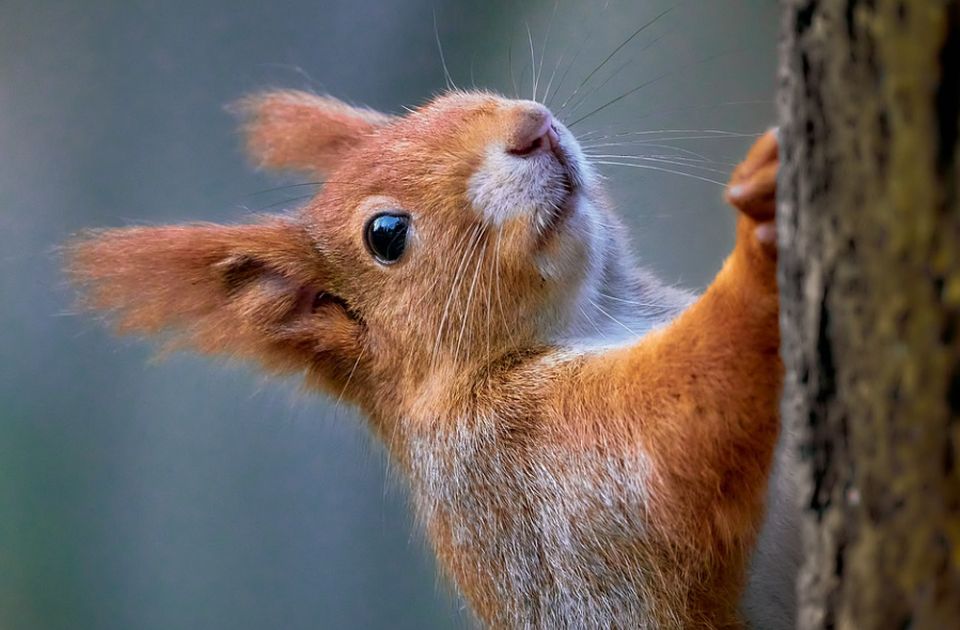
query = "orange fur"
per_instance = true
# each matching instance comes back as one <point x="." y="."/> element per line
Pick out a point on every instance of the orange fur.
<point x="283" y="131"/>
<point x="561" y="482"/>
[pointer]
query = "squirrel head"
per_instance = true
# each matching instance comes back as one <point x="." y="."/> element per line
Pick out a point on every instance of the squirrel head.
<point x="440" y="240"/>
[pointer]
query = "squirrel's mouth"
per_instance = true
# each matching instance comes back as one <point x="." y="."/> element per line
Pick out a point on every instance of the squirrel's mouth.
<point x="552" y="216"/>
<point x="542" y="186"/>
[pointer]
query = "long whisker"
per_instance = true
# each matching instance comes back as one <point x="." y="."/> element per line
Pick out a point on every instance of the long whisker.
<point x="489" y="298"/>
<point x="663" y="170"/>
<point x="690" y="160"/>
<point x="428" y="294"/>
<point x="612" y="318"/>
<point x="522" y="76"/>
<point x="675" y="138"/>
<point x="586" y="96"/>
<point x="704" y="106"/>
<point x="350" y="377"/>
<point x="543" y="49"/>
<point x="443" y="60"/>
<point x="619" y="98"/>
<point x="654" y="80"/>
<point x="460" y="274"/>
<point x="312" y="84"/>
<point x="573" y="61"/>
<point x="503" y="315"/>
<point x="592" y="323"/>
<point x="282" y="202"/>
<point x="698" y="107"/>
<point x="546" y="91"/>
<point x="513" y="78"/>
<point x="615" y="51"/>
<point x="533" y="63"/>
<point x="266" y="191"/>
<point x="467" y="314"/>
<point x="633" y="302"/>
<point x="454" y="288"/>
<point x="697" y="159"/>
<point x="657" y="159"/>
<point x="436" y="281"/>
<point x="679" y="150"/>
<point x="647" y="132"/>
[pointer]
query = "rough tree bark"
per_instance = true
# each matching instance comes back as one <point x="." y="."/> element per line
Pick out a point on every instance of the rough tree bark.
<point x="870" y="288"/>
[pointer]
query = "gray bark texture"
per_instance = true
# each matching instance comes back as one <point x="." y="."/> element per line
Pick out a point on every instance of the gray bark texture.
<point x="869" y="234"/>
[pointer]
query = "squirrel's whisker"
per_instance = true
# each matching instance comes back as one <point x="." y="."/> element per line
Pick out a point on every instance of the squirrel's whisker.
<point x="613" y="54"/>
<point x="664" y="170"/>
<point x="443" y="60"/>
<point x="664" y="160"/>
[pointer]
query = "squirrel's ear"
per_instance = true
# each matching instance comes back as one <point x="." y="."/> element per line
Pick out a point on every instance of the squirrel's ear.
<point x="299" y="131"/>
<point x="255" y="291"/>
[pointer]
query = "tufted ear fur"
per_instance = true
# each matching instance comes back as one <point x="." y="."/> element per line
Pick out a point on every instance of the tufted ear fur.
<point x="299" y="131"/>
<point x="250" y="291"/>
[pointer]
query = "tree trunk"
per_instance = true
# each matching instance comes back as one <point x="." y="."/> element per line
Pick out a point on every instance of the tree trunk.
<point x="870" y="285"/>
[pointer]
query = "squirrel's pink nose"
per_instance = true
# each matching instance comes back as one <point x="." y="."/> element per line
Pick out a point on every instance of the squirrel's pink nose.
<point x="534" y="131"/>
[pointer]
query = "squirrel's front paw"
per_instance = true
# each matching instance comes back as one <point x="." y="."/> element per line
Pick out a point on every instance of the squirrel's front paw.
<point x="753" y="189"/>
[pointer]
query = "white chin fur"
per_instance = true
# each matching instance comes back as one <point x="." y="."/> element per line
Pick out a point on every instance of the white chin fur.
<point x="573" y="247"/>
<point x="508" y="188"/>
<point x="505" y="186"/>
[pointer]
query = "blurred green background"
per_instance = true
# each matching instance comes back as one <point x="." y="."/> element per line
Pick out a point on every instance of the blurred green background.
<point x="186" y="494"/>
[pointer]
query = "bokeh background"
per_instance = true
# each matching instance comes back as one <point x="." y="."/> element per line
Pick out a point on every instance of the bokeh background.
<point x="188" y="494"/>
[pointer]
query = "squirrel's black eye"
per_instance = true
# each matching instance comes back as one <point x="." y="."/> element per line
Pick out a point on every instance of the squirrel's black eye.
<point x="386" y="236"/>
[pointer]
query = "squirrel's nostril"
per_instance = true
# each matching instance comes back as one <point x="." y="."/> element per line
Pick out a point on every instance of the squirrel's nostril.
<point x="535" y="133"/>
<point x="522" y="151"/>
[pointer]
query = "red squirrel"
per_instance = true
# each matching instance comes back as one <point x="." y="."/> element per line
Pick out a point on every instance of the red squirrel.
<point x="585" y="446"/>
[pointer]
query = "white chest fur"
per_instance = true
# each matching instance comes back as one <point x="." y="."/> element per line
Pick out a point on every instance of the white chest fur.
<point x="554" y="530"/>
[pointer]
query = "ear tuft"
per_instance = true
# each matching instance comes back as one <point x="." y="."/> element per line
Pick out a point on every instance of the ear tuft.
<point x="299" y="131"/>
<point x="243" y="291"/>
<point x="218" y="288"/>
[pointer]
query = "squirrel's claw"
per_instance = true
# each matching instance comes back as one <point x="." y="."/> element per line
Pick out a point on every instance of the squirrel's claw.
<point x="753" y="189"/>
<point x="753" y="185"/>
